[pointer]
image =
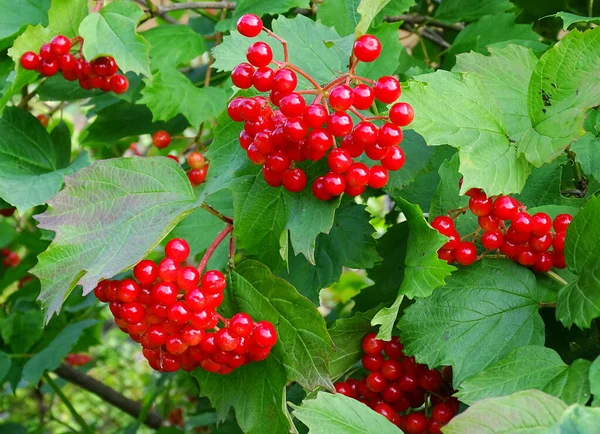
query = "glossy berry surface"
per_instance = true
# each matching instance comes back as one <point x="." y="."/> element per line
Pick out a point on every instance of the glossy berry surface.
<point x="367" y="48"/>
<point x="161" y="139"/>
<point x="249" y="25"/>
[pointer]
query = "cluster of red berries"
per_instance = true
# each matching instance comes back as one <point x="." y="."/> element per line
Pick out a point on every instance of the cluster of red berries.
<point x="175" y="320"/>
<point x="54" y="57"/>
<point x="281" y="129"/>
<point x="10" y="259"/>
<point x="396" y="384"/>
<point x="198" y="164"/>
<point x="77" y="359"/>
<point x="527" y="239"/>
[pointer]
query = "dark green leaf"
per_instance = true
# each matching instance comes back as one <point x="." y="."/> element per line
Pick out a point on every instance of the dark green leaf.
<point x="594" y="379"/>
<point x="12" y="428"/>
<point x="58" y="89"/>
<point x="4" y="369"/>
<point x="470" y="10"/>
<point x="14" y="18"/>
<point x="572" y="385"/>
<point x="21" y="330"/>
<point x="7" y="233"/>
<point x="339" y="14"/>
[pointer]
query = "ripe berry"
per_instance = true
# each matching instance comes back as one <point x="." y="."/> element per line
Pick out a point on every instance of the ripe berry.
<point x="541" y="223"/>
<point x="389" y="135"/>
<point x="364" y="134"/>
<point x="318" y="189"/>
<point x="416" y="423"/>
<point x="378" y="177"/>
<point x="285" y="81"/>
<point x="132" y="312"/>
<point x="177" y="249"/>
<point x="278" y="161"/>
<point x="358" y="175"/>
<point x="178" y="313"/>
<point x="394" y="160"/>
<point x="506" y="208"/>
<point x="353" y="148"/>
<point x="264" y="334"/>
<point x="363" y="97"/>
<point x="60" y="45"/>
<point x="444" y="225"/>
<point x="430" y="380"/>
<point x="402" y="114"/>
<point x="294" y="180"/>
<point x="558" y="243"/>
<point x="249" y="25"/>
<point x="526" y="256"/>
<point x="339" y="160"/>
<point x="367" y="48"/>
<point x="465" y="253"/>
<point x="104" y="66"/>
<point x="262" y="79"/>
<point x="197" y="176"/>
<point x="335" y="183"/>
<point x="488" y="223"/>
<point x="446" y="255"/>
<point x="48" y="68"/>
<point x="188" y="278"/>
<point x="509" y="249"/>
<point x="168" y="270"/>
<point x="30" y="60"/>
<point x="522" y="222"/>
<point x="295" y="129"/>
<point x="385" y="410"/>
<point x="391" y="370"/>
<point x="315" y="115"/>
<point x="558" y="259"/>
<point x="354" y="191"/>
<point x="408" y="382"/>
<point x="371" y="345"/>
<point x="442" y="412"/>
<point x="341" y="97"/>
<point x="387" y="89"/>
<point x="453" y="242"/>
<point x="255" y="155"/>
<point x="195" y="300"/>
<point x="542" y="243"/>
<point x="561" y="222"/>
<point x="492" y="240"/>
<point x="481" y="205"/>
<point x="66" y="62"/>
<point x="292" y="105"/>
<point x="226" y="340"/>
<point x="242" y="75"/>
<point x="241" y="324"/>
<point x="213" y="282"/>
<point x="372" y="363"/>
<point x="161" y="139"/>
<point x="376" y="382"/>
<point x="516" y="237"/>
<point x="259" y="54"/>
<point x="393" y="348"/>
<point x="392" y="393"/>
<point x="128" y="290"/>
<point x="273" y="178"/>
<point x="543" y="263"/>
<point x="339" y="124"/>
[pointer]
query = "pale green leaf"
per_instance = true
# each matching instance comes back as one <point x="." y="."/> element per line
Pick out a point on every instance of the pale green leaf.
<point x="65" y="16"/>
<point x="107" y="218"/>
<point x="14" y="17"/>
<point x="572" y="385"/>
<point x="577" y="420"/>
<point x="368" y="9"/>
<point x="339" y="14"/>
<point x="165" y="53"/>
<point x="587" y="150"/>
<point x="570" y="19"/>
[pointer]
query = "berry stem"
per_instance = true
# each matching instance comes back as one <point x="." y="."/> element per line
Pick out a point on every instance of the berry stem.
<point x="99" y="5"/>
<point x="556" y="277"/>
<point x="211" y="249"/>
<point x="357" y="113"/>
<point x="376" y="118"/>
<point x="359" y="78"/>
<point x="282" y="41"/>
<point x="307" y="92"/>
<point x="334" y="82"/>
<point x="231" y="251"/>
<point x="217" y="214"/>
<point x="223" y="319"/>
<point x="305" y="75"/>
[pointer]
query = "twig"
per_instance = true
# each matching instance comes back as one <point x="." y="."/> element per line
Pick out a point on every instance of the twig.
<point x="195" y="5"/>
<point x="80" y="420"/>
<point x="211" y="249"/>
<point x="25" y="100"/>
<point x="217" y="214"/>
<point x="427" y="33"/>
<point x="153" y="12"/>
<point x="108" y="394"/>
<point x="420" y="19"/>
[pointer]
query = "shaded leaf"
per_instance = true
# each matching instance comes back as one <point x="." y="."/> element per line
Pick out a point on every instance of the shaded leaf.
<point x="470" y="10"/>
<point x="14" y="18"/>
<point x="21" y="330"/>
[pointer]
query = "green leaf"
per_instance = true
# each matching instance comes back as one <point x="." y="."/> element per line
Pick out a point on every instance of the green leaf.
<point x="264" y="7"/>
<point x="486" y="309"/>
<point x="505" y="74"/>
<point x="12" y="428"/>
<point x="526" y="412"/>
<point x="470" y="10"/>
<point x="457" y="109"/>
<point x="255" y="391"/>
<point x="7" y="233"/>
<point x="347" y="334"/>
<point x="594" y="379"/>
<point x="164" y="53"/>
<point x="565" y="82"/>
<point x="579" y="302"/>
<point x="587" y="150"/>
<point x="423" y="270"/>
<point x="337" y="413"/>
<point x="311" y="50"/>
<point x="4" y="369"/>
<point x="51" y="356"/>
<point x="14" y="18"/>
<point x="56" y="88"/>
<point x="577" y="420"/>
<point x="500" y="30"/>
<point x="387" y="62"/>
<point x="304" y="345"/>
<point x="65" y="16"/>
<point x="170" y="93"/>
<point x="349" y="243"/>
<point x="368" y="9"/>
<point x="339" y="14"/>
<point x="528" y="367"/>
<point x="112" y="32"/>
<point x="570" y="19"/>
<point x="30" y="172"/>
<point x="108" y="217"/>
<point x="21" y="330"/>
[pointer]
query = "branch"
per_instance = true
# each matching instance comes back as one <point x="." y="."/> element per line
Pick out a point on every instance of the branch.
<point x="108" y="394"/>
<point x="196" y="5"/>
<point x="420" y="19"/>
<point x="427" y="33"/>
<point x="211" y="249"/>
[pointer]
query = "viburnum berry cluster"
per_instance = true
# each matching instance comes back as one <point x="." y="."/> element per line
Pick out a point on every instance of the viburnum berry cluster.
<point x="195" y="160"/>
<point x="506" y="227"/>
<point x="10" y="259"/>
<point x="282" y="129"/>
<point x="170" y="310"/>
<point x="56" y="56"/>
<point x="397" y="387"/>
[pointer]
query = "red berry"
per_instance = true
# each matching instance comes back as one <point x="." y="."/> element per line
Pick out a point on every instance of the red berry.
<point x="492" y="240"/>
<point x="446" y="255"/>
<point x="128" y="290"/>
<point x="408" y="382"/>
<point x="242" y="75"/>
<point x="295" y="130"/>
<point x="46" y="52"/>
<point x="444" y="225"/>
<point x="558" y="259"/>
<point x="161" y="139"/>
<point x="294" y="180"/>
<point x="562" y="222"/>
<point x="226" y="340"/>
<point x="318" y="189"/>
<point x="191" y="335"/>
<point x="430" y="380"/>
<point x="168" y="270"/>
<point x="402" y="114"/>
<point x="255" y="155"/>
<point x="543" y="262"/>
<point x="526" y="256"/>
<point x="363" y="97"/>
<point x="264" y="334"/>
<point x="339" y="124"/>
<point x="48" y="68"/>
<point x="358" y="175"/>
<point x="315" y="115"/>
<point x="66" y="62"/>
<point x="394" y="160"/>
<point x="367" y="48"/>
<point x="376" y="382"/>
<point x="213" y="282"/>
<point x="385" y="410"/>
<point x="372" y="363"/>
<point x="416" y="423"/>
<point x="481" y="205"/>
<point x="188" y="278"/>
<point x="164" y="293"/>
<point x="262" y="79"/>
<point x="542" y="243"/>
<point x="278" y="161"/>
<point x="292" y="105"/>
<point x="516" y="237"/>
<point x="204" y="319"/>
<point x="30" y="60"/>
<point x="178" y="313"/>
<point x="132" y="312"/>
<point x="197" y="176"/>
<point x="392" y="393"/>
<point x="339" y="160"/>
<point x="195" y="160"/>
<point x="354" y="191"/>
<point x="60" y="45"/>
<point x="343" y="389"/>
<point x="378" y="177"/>
<point x="273" y="178"/>
<point x="364" y="134"/>
<point x="335" y="183"/>
<point x="505" y="207"/>
<point x="453" y="242"/>
<point x="353" y="148"/>
<point x="391" y="370"/>
<point x="371" y="345"/>
<point x="522" y="222"/>
<point x="241" y="324"/>
<point x="341" y="98"/>
<point x="393" y="348"/>
<point x="541" y="223"/>
<point x="249" y="25"/>
<point x="488" y="223"/>
<point x="389" y="135"/>
<point x="465" y="253"/>
<point x="442" y="412"/>
<point x="259" y="54"/>
<point x="377" y="151"/>
<point x="145" y="272"/>
<point x="195" y="300"/>
<point x="509" y="249"/>
<point x="177" y="249"/>
<point x="285" y="81"/>
<point x="558" y="243"/>
<point x="104" y="66"/>
<point x="387" y="89"/>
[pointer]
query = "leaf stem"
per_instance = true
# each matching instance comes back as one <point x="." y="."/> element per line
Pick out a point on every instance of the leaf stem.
<point x="282" y="41"/>
<point x="217" y="214"/>
<point x="211" y="249"/>
<point x="556" y="277"/>
<point x="99" y="5"/>
<point x="81" y="421"/>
